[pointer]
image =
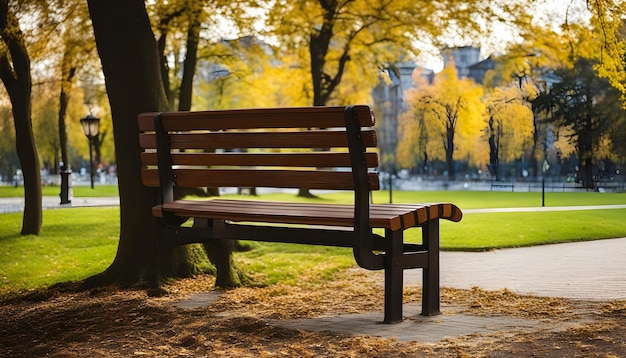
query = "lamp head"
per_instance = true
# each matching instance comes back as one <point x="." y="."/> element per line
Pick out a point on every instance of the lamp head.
<point x="91" y="125"/>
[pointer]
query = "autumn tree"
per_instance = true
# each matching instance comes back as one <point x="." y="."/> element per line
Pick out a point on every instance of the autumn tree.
<point x="178" y="24"/>
<point x="8" y="158"/>
<point x="413" y="137"/>
<point x="373" y="34"/>
<point x="188" y="33"/>
<point x="526" y="66"/>
<point x="452" y="113"/>
<point x="617" y="135"/>
<point x="130" y="63"/>
<point x="607" y="23"/>
<point x="588" y="106"/>
<point x="509" y="125"/>
<point x="15" y="72"/>
<point x="78" y="46"/>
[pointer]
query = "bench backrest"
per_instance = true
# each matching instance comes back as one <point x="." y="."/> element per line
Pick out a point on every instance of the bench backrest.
<point x="301" y="147"/>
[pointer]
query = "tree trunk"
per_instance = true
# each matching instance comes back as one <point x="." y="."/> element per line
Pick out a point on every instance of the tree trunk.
<point x="533" y="163"/>
<point x="130" y="63"/>
<point x="323" y="83"/>
<point x="67" y="78"/>
<point x="135" y="60"/>
<point x="15" y="74"/>
<point x="220" y="254"/>
<point x="450" y="153"/>
<point x="585" y="153"/>
<point x="130" y="66"/>
<point x="68" y="72"/>
<point x="494" y="152"/>
<point x="165" y="69"/>
<point x="189" y="66"/>
<point x="586" y="173"/>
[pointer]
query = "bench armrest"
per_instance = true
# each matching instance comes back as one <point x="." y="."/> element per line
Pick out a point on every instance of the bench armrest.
<point x="363" y="245"/>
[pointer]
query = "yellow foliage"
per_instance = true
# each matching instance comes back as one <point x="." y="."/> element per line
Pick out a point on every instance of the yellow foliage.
<point x="608" y="26"/>
<point x="512" y="120"/>
<point x="563" y="144"/>
<point x="449" y="109"/>
<point x="411" y="140"/>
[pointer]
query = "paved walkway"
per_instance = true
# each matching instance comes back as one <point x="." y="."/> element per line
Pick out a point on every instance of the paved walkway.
<point x="10" y="205"/>
<point x="592" y="270"/>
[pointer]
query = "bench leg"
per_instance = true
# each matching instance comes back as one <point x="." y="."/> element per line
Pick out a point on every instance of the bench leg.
<point x="394" y="272"/>
<point x="430" y="283"/>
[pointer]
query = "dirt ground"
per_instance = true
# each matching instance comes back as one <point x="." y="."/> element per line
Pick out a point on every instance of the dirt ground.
<point x="114" y="322"/>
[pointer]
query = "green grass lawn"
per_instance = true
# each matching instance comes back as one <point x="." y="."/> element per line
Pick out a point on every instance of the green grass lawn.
<point x="463" y="199"/>
<point x="74" y="244"/>
<point x="79" y="191"/>
<point x="78" y="242"/>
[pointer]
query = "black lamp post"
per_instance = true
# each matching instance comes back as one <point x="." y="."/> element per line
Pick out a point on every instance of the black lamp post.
<point x="66" y="184"/>
<point x="91" y="127"/>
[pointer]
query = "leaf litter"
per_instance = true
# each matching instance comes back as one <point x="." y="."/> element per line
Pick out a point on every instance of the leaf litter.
<point x="116" y="322"/>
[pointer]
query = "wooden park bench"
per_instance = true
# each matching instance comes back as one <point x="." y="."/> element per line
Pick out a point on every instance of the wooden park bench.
<point x="325" y="148"/>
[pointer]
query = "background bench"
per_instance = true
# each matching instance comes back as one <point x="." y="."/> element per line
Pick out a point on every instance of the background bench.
<point x="328" y="148"/>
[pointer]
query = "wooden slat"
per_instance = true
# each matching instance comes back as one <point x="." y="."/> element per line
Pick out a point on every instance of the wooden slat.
<point x="381" y="215"/>
<point x="233" y="140"/>
<point x="295" y="117"/>
<point x="309" y="179"/>
<point x="313" y="159"/>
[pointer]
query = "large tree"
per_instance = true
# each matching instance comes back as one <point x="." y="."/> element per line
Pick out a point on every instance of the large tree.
<point x="588" y="107"/>
<point x="372" y="34"/>
<point x="509" y="126"/>
<point x="131" y="67"/>
<point x="78" y="45"/>
<point x="375" y="34"/>
<point x="15" y="74"/>
<point x="451" y="111"/>
<point x="607" y="21"/>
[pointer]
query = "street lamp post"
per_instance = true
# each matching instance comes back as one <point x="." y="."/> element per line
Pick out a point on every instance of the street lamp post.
<point x="66" y="184"/>
<point x="545" y="168"/>
<point x="91" y="127"/>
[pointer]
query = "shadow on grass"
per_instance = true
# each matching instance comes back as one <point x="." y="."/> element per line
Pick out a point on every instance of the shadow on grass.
<point x="10" y="236"/>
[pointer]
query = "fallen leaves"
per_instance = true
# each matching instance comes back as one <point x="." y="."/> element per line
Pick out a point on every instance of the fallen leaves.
<point x="115" y="322"/>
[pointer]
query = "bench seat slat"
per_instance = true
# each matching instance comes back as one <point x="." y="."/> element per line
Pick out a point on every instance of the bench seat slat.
<point x="297" y="117"/>
<point x="296" y="179"/>
<point x="389" y="216"/>
<point x="313" y="159"/>
<point x="233" y="140"/>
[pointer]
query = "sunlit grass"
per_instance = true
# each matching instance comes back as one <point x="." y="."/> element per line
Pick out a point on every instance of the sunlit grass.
<point x="73" y="244"/>
<point x="500" y="230"/>
<point x="76" y="243"/>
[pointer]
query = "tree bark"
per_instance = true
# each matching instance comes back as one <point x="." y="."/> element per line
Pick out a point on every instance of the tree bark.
<point x="494" y="150"/>
<point x="189" y="66"/>
<point x="15" y="74"/>
<point x="450" y="152"/>
<point x="131" y="67"/>
<point x="67" y="79"/>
